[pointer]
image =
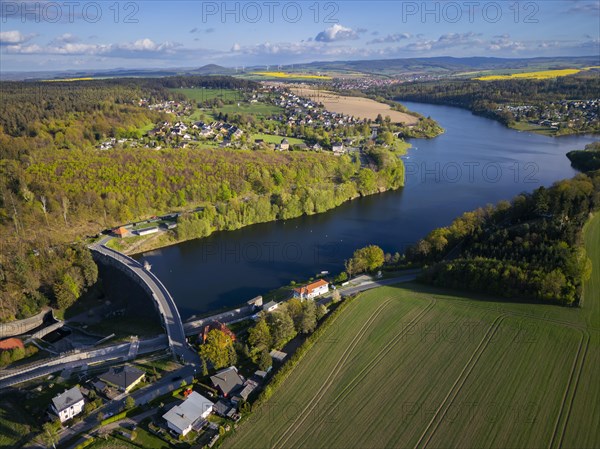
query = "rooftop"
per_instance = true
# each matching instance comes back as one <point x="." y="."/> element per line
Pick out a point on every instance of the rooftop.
<point x="189" y="411"/>
<point x="308" y="289"/>
<point x="67" y="399"/>
<point x="227" y="380"/>
<point x="123" y="376"/>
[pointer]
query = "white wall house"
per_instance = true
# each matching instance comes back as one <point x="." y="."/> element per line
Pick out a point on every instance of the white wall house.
<point x="183" y="417"/>
<point x="68" y="404"/>
<point x="313" y="290"/>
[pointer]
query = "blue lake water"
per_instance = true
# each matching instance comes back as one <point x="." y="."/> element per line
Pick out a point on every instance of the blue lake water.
<point x="475" y="162"/>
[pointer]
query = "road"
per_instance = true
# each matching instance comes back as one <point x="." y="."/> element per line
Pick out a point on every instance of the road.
<point x="410" y="275"/>
<point x="166" y="305"/>
<point x="75" y="359"/>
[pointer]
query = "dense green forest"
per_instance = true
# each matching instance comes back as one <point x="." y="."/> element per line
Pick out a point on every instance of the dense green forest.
<point x="56" y="187"/>
<point x="529" y="248"/>
<point x="587" y="159"/>
<point x="488" y="98"/>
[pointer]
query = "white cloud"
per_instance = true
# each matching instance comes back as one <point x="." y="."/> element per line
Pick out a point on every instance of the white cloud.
<point x="390" y="38"/>
<point x="140" y="48"/>
<point x="336" y="33"/>
<point x="13" y="37"/>
<point x="584" y="7"/>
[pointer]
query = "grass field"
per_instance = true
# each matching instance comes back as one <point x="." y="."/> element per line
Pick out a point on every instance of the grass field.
<point x="269" y="138"/>
<point x="210" y="94"/>
<point x="14" y="425"/>
<point x="416" y="367"/>
<point x="525" y="126"/>
<point x="256" y="109"/>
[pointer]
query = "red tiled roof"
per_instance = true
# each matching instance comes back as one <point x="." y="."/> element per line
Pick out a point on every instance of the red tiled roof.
<point x="120" y="231"/>
<point x="308" y="289"/>
<point x="11" y="343"/>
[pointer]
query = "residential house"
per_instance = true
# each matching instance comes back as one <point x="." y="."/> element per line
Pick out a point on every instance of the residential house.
<point x="313" y="290"/>
<point x="227" y="381"/>
<point x="284" y="145"/>
<point x="124" y="377"/>
<point x="190" y="414"/>
<point x="338" y="148"/>
<point x="68" y="404"/>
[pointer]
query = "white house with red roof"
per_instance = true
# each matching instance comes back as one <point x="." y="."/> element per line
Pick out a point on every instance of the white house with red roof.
<point x="313" y="290"/>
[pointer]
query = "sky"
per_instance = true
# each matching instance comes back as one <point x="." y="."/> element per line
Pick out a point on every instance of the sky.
<point x="80" y="35"/>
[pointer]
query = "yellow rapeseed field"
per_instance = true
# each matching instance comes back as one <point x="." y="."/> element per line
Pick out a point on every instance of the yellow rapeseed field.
<point x="292" y="75"/>
<point x="544" y="74"/>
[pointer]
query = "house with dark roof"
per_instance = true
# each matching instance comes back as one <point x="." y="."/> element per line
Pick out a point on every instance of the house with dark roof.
<point x="227" y="381"/>
<point x="68" y="404"/>
<point x="124" y="377"/>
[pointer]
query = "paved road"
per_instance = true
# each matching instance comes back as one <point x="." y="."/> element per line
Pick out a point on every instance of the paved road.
<point x="242" y="313"/>
<point x="370" y="284"/>
<point x="75" y="359"/>
<point x="166" y="305"/>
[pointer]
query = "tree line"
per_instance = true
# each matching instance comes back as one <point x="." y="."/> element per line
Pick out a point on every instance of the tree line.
<point x="528" y="248"/>
<point x="485" y="97"/>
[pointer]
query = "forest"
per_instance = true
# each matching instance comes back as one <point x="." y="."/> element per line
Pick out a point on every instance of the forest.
<point x="56" y="188"/>
<point x="490" y="98"/>
<point x="587" y="159"/>
<point x="529" y="248"/>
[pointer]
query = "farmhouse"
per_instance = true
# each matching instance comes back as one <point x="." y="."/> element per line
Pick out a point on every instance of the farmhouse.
<point x="227" y="381"/>
<point x="270" y="306"/>
<point x="190" y="414"/>
<point x="124" y="378"/>
<point x="68" y="404"/>
<point x="313" y="290"/>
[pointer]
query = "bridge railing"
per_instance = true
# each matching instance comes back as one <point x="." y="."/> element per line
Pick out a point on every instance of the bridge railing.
<point x="134" y="265"/>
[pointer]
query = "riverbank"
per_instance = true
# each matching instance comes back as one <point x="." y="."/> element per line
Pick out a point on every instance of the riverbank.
<point x="165" y="239"/>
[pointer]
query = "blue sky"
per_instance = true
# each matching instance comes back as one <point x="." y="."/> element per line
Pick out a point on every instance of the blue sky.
<point x="54" y="35"/>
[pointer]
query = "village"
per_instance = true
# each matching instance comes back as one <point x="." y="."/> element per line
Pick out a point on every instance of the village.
<point x="152" y="399"/>
<point x="557" y="115"/>
<point x="298" y="123"/>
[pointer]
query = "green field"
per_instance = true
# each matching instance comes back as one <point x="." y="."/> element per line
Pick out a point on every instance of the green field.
<point x="269" y="138"/>
<point x="210" y="94"/>
<point x="256" y="109"/>
<point x="416" y="367"/>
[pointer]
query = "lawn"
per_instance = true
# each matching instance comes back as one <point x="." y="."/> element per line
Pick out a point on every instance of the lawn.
<point x="269" y="138"/>
<point x="413" y="366"/>
<point x="257" y="109"/>
<point x="210" y="94"/>
<point x="15" y="424"/>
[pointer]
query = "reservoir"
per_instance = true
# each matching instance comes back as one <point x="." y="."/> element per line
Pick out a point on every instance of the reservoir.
<point x="475" y="162"/>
